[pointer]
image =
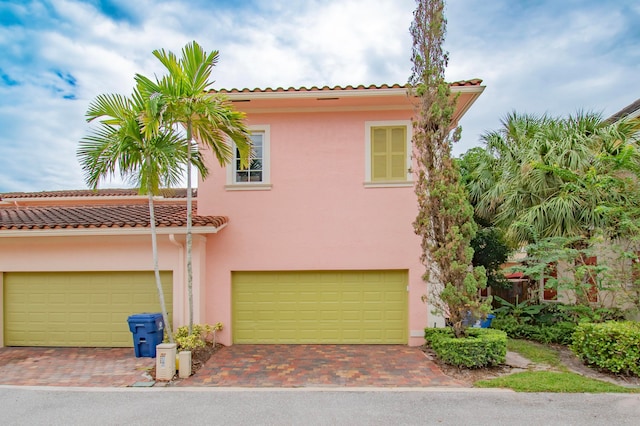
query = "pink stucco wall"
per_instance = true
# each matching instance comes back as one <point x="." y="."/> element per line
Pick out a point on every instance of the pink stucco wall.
<point x="90" y="253"/>
<point x="318" y="215"/>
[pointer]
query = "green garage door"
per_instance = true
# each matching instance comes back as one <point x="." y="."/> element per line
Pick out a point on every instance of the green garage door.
<point x="320" y="307"/>
<point x="77" y="308"/>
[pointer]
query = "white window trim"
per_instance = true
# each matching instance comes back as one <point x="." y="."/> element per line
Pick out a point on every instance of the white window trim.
<point x="367" y="153"/>
<point x="266" y="164"/>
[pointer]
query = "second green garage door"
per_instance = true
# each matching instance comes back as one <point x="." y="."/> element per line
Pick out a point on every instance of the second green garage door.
<point x="320" y="307"/>
<point x="77" y="308"/>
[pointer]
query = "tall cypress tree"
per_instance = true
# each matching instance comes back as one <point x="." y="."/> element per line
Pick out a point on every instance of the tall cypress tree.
<point x="445" y="218"/>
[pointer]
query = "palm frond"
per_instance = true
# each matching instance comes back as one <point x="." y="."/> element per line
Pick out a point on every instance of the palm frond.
<point x="110" y="107"/>
<point x="557" y="176"/>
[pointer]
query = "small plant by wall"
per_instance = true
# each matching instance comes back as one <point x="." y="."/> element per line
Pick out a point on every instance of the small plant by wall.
<point x="202" y="333"/>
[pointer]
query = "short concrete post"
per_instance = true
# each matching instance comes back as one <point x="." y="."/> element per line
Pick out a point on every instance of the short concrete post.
<point x="185" y="364"/>
<point x="166" y="361"/>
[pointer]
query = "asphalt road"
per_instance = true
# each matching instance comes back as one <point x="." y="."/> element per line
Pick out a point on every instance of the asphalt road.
<point x="210" y="406"/>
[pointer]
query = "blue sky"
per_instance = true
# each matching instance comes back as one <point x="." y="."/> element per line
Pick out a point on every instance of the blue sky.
<point x="545" y="56"/>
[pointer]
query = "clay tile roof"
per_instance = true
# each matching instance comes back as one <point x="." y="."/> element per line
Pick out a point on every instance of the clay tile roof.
<point x="100" y="216"/>
<point x="473" y="82"/>
<point x="167" y="193"/>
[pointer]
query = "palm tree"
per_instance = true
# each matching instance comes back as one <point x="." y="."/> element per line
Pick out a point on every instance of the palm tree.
<point x="182" y="98"/>
<point x="560" y="182"/>
<point x="118" y="145"/>
<point x="556" y="177"/>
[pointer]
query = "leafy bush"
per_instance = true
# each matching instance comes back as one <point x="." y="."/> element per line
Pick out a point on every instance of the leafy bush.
<point x="613" y="346"/>
<point x="548" y="322"/>
<point x="433" y="333"/>
<point x="523" y="311"/>
<point x="481" y="348"/>
<point x="510" y="325"/>
<point x="580" y="313"/>
<point x="202" y="333"/>
<point x="560" y="332"/>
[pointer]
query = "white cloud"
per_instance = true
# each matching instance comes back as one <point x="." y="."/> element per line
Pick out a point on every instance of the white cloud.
<point x="534" y="57"/>
<point x="546" y="61"/>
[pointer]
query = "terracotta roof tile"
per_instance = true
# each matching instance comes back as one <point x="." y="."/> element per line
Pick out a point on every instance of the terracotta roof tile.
<point x="166" y="193"/>
<point x="99" y="216"/>
<point x="472" y="82"/>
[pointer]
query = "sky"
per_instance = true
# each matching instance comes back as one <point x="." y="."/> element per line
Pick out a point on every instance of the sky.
<point x="534" y="56"/>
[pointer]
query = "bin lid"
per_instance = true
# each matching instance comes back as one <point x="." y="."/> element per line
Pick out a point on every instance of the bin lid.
<point x="144" y="317"/>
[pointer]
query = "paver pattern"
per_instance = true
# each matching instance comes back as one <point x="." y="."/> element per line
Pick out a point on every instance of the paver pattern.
<point x="320" y="366"/>
<point x="99" y="367"/>
<point x="232" y="366"/>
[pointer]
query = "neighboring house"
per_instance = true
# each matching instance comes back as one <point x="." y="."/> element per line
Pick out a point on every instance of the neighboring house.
<point x="319" y="245"/>
<point x="630" y="111"/>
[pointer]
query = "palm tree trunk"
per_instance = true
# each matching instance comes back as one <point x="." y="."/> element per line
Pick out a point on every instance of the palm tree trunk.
<point x="156" y="268"/>
<point x="189" y="239"/>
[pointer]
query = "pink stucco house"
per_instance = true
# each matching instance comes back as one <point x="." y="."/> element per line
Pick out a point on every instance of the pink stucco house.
<point x="313" y="244"/>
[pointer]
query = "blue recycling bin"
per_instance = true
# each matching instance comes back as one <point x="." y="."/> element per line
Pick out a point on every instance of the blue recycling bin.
<point x="487" y="322"/>
<point x="148" y="331"/>
<point x="470" y="321"/>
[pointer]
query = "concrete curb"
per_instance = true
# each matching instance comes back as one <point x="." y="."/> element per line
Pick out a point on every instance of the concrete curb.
<point x="261" y="389"/>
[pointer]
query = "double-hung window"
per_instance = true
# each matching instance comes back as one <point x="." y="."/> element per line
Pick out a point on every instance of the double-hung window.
<point x="387" y="152"/>
<point x="253" y="173"/>
<point x="257" y="174"/>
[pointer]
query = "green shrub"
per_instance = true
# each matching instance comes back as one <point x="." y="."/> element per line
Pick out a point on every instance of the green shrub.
<point x="202" y="333"/>
<point x="553" y="313"/>
<point x="514" y="327"/>
<point x="523" y="311"/>
<point x="509" y="325"/>
<point x="481" y="348"/>
<point x="581" y="313"/>
<point x="552" y="323"/>
<point x="431" y="333"/>
<point x="560" y="332"/>
<point x="613" y="346"/>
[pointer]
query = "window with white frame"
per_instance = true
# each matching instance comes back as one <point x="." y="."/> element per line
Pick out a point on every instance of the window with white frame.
<point x="257" y="174"/>
<point x="387" y="153"/>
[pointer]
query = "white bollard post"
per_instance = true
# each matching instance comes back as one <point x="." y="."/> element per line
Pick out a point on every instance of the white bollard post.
<point x="185" y="364"/>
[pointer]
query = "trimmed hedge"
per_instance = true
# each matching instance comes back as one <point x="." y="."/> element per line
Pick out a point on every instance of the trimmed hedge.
<point x="482" y="347"/>
<point x="613" y="346"/>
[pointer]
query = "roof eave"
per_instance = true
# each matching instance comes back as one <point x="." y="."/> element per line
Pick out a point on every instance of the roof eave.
<point x="474" y="91"/>
<point x="314" y="94"/>
<point x="246" y="95"/>
<point x="101" y="232"/>
<point x="12" y="201"/>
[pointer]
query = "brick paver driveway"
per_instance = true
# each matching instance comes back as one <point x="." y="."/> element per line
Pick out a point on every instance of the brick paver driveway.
<point x="319" y="366"/>
<point x="110" y="367"/>
<point x="237" y="365"/>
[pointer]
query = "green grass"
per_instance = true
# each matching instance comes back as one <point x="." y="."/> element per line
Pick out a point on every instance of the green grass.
<point x="537" y="353"/>
<point x="549" y="381"/>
